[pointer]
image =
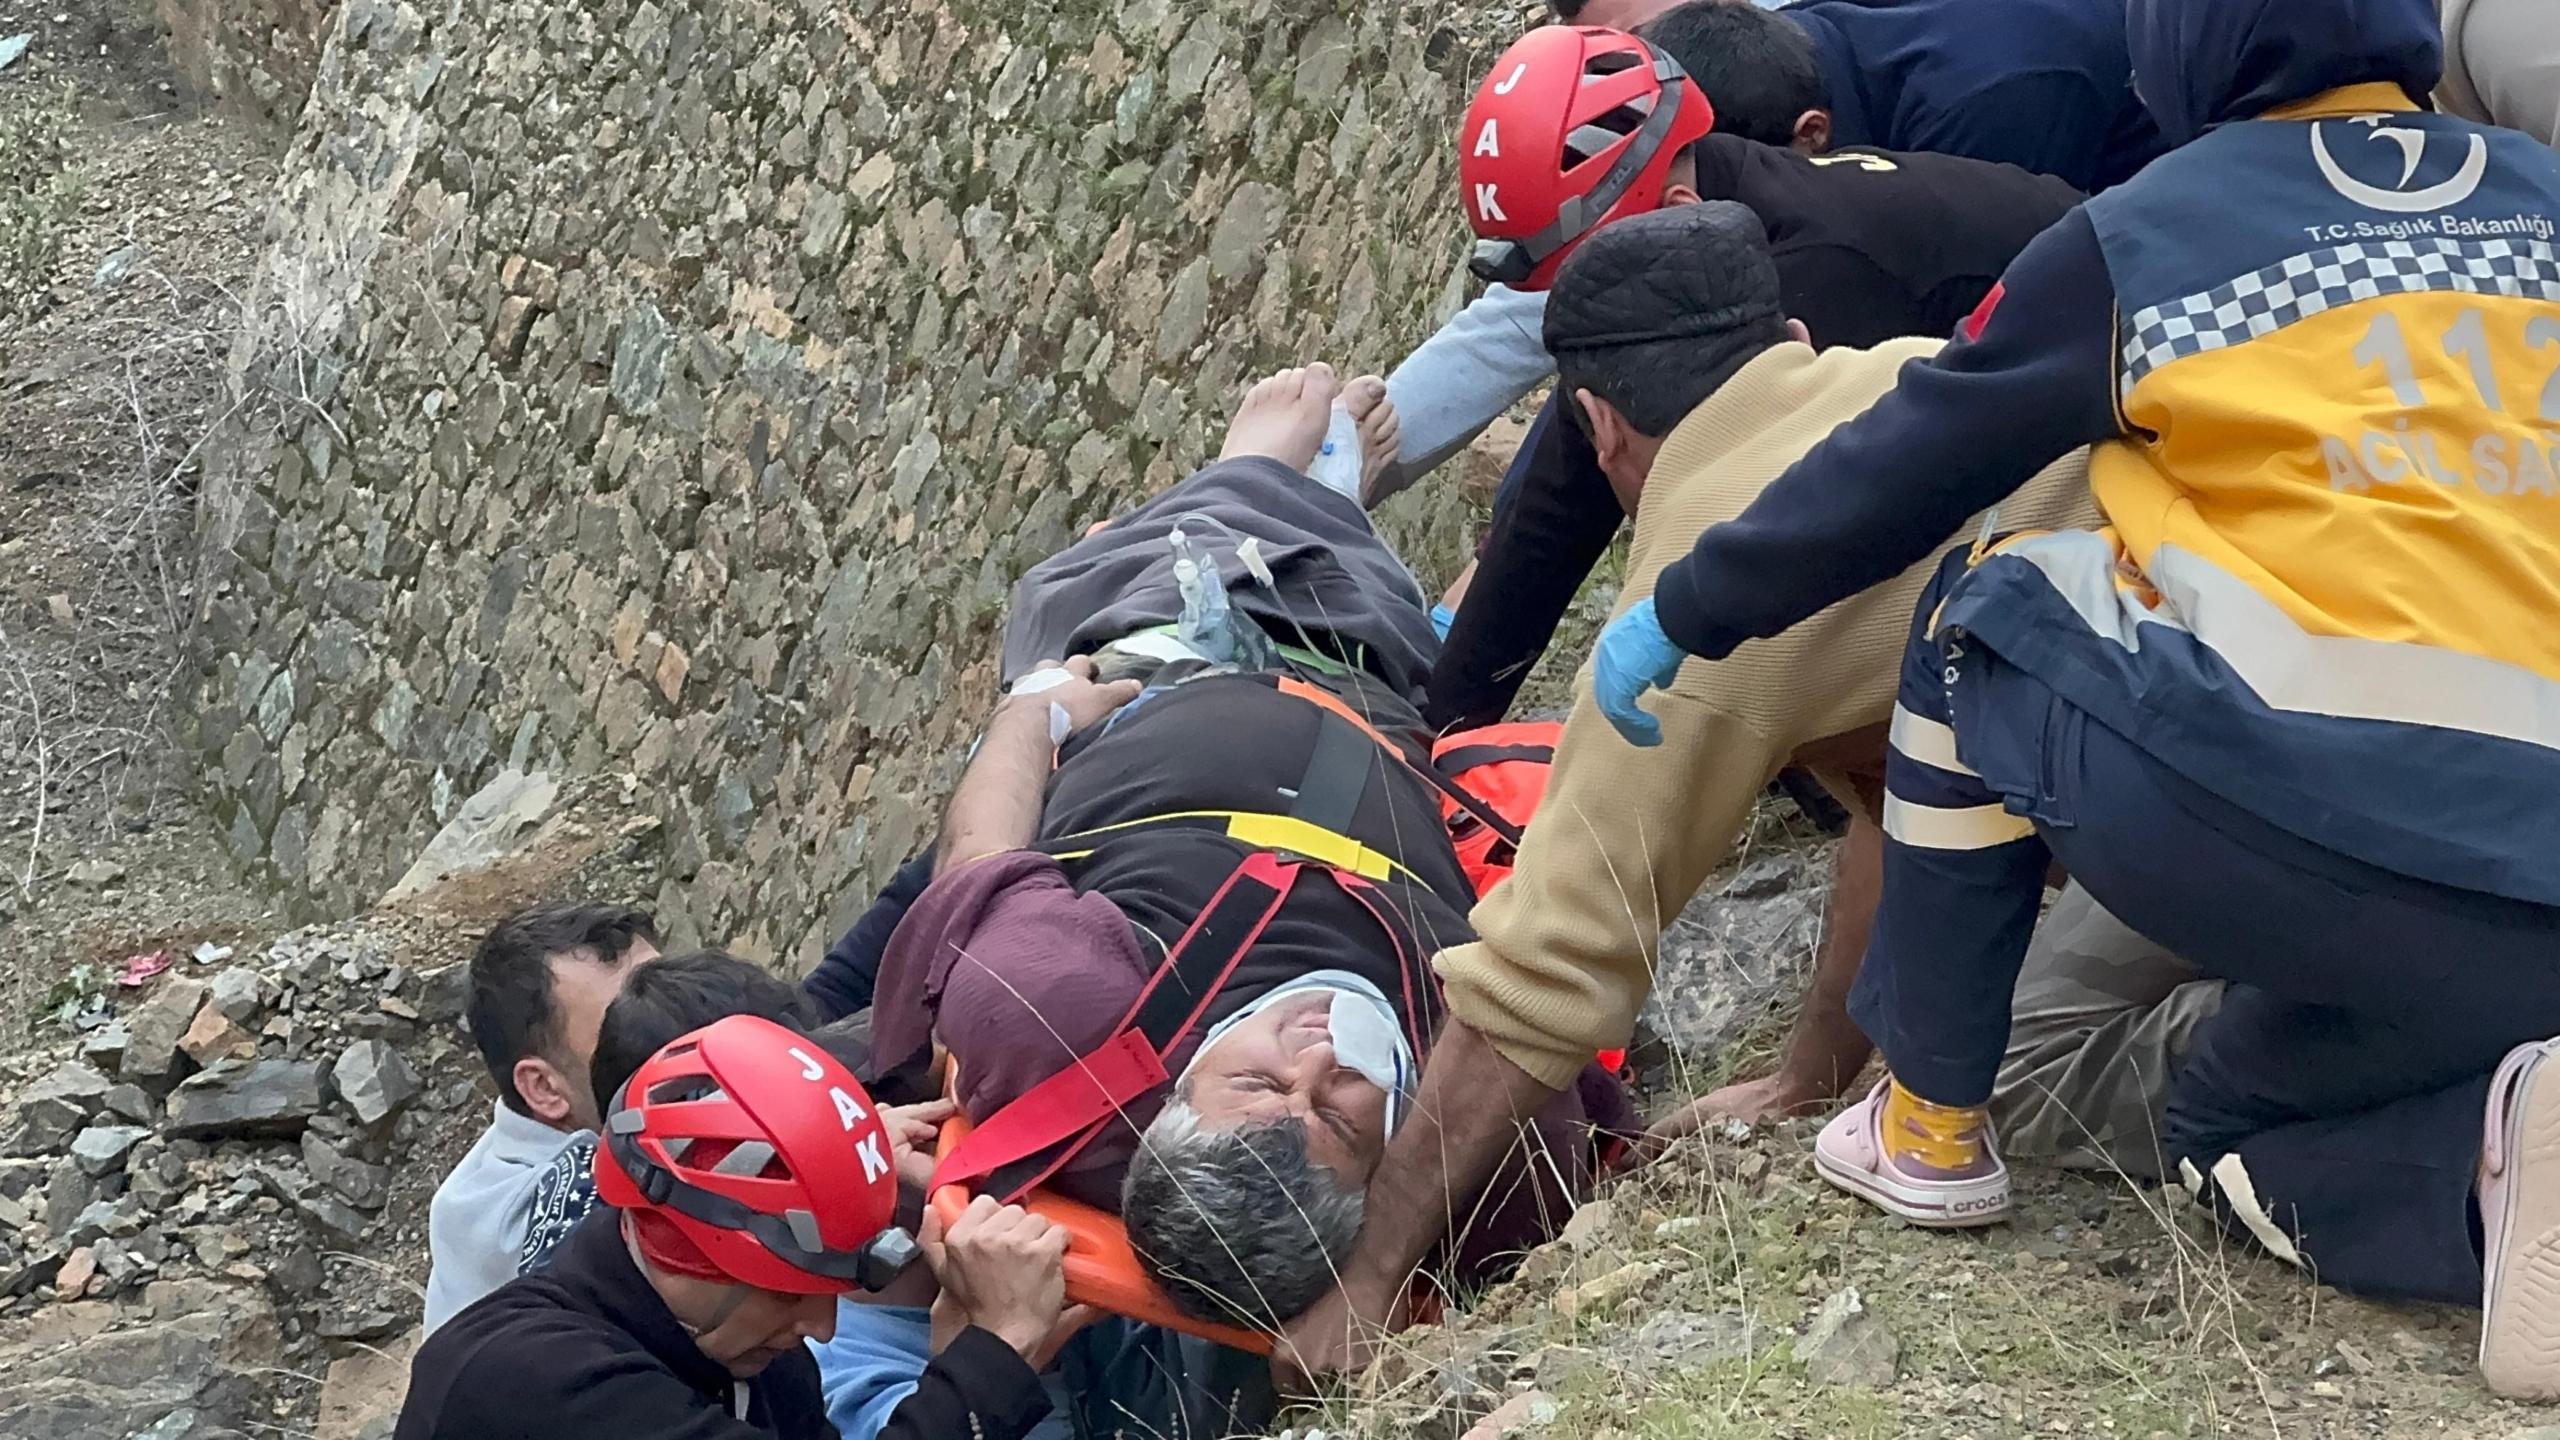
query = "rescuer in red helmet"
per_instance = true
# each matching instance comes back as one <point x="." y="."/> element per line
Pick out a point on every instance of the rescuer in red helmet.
<point x="1596" y="119"/>
<point x="746" y="1182"/>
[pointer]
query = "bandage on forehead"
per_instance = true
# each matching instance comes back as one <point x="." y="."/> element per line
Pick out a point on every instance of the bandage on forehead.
<point x="1366" y="1040"/>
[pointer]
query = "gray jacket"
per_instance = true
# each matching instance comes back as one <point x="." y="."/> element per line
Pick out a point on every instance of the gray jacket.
<point x="1475" y="367"/>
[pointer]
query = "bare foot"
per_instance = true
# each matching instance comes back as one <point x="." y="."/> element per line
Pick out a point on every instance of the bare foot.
<point x="1284" y="417"/>
<point x="1381" y="431"/>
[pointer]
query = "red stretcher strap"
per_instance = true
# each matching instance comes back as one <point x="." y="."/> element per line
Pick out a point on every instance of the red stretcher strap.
<point x="1051" y="1123"/>
<point x="1095" y="1087"/>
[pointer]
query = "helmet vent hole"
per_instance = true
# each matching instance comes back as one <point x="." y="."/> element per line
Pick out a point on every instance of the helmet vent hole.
<point x="681" y="1088"/>
<point x="1595" y="136"/>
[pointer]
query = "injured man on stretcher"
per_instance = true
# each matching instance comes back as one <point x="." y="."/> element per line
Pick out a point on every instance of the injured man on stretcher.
<point x="1177" y="945"/>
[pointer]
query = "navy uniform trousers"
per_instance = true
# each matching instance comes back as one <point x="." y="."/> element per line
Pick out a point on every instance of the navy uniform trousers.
<point x="2332" y="1110"/>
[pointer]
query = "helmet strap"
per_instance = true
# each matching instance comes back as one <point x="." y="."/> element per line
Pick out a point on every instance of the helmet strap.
<point x="729" y="1303"/>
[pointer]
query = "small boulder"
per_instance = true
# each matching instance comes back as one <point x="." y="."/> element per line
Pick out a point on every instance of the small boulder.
<point x="1683" y="1340"/>
<point x="374" y="1081"/>
<point x="241" y="994"/>
<point x="95" y="873"/>
<point x="1526" y="1412"/>
<point x="213" y="1039"/>
<point x="69" y="1192"/>
<point x="1590" y="1226"/>
<point x="132" y="1102"/>
<point x="363" y="1387"/>
<point x="488" y="827"/>
<point x="156" y="1026"/>
<point x="79" y="1268"/>
<point x="362" y="1185"/>
<point x="100" y="1149"/>
<point x="52" y="1110"/>
<point x="104" y="1046"/>
<point x="1600" y="1295"/>
<point x="443" y="994"/>
<point x="263" y="1097"/>
<point x="1845" y="1345"/>
<point x="22" y="1272"/>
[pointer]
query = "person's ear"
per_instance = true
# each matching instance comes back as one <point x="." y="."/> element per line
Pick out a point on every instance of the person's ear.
<point x="1677" y="193"/>
<point x="1609" y="429"/>
<point x="1614" y="443"/>
<point x="1812" y="134"/>
<point x="1797" y="332"/>
<point x="545" y="1091"/>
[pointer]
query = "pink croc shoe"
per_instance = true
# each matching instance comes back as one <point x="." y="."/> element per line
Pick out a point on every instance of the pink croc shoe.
<point x="1851" y="1155"/>
<point x="2520" y="1227"/>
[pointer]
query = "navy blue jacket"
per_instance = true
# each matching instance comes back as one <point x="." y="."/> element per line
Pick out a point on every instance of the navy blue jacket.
<point x="2040" y="84"/>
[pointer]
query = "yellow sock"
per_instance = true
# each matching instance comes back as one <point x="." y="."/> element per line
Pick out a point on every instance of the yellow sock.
<point x="1943" y="1137"/>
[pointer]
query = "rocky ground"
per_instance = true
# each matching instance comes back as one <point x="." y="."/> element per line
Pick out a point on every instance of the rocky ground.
<point x="225" y="1168"/>
<point x="132" y="239"/>
<point x="1728" y="1294"/>
<point x="218" y="1130"/>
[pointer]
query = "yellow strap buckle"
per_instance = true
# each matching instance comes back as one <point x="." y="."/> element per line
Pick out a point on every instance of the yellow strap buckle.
<point x="1283" y="832"/>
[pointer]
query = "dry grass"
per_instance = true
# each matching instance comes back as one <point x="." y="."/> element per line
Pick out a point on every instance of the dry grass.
<point x="40" y="191"/>
<point x="2103" y="1309"/>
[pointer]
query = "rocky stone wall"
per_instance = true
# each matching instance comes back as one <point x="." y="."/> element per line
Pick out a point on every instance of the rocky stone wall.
<point x="254" y="58"/>
<point x="674" y="388"/>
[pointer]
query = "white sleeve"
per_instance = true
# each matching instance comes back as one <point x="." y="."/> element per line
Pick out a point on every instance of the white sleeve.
<point x="1454" y="384"/>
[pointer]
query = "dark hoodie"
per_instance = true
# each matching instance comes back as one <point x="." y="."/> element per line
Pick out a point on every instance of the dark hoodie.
<point x="2202" y="63"/>
<point x="2265" y="235"/>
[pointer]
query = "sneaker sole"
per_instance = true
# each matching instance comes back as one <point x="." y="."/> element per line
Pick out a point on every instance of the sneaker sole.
<point x="2520" y="1328"/>
<point x="1925" y="1212"/>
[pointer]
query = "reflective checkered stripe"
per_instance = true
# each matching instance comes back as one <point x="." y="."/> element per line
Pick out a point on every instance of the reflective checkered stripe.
<point x="2265" y="301"/>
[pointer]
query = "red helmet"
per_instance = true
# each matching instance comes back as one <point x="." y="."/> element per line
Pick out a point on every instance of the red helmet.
<point x="764" y="1152"/>
<point x="1576" y="127"/>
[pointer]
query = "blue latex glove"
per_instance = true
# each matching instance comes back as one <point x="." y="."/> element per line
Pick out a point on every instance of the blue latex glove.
<point x="1442" y="617"/>
<point x="1634" y="657"/>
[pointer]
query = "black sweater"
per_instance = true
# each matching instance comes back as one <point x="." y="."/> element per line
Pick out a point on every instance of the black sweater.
<point x="586" y="1350"/>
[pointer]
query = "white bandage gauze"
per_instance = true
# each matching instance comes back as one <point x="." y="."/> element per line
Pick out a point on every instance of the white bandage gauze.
<point x="1035" y="682"/>
<point x="1366" y="1035"/>
<point x="1337" y="465"/>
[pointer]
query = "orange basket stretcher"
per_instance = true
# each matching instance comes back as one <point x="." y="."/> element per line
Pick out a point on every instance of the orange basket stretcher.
<point x="1102" y="1270"/>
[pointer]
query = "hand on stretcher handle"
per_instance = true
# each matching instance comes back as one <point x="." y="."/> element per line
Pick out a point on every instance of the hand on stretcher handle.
<point x="1102" y="1271"/>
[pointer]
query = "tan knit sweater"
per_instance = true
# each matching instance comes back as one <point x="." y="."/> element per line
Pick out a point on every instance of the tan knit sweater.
<point x="1627" y="835"/>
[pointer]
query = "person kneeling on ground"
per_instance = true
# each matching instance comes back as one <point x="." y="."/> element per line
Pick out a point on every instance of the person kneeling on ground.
<point x="2236" y="713"/>
<point x="1256" y="810"/>
<point x="746" y="1184"/>
<point x="1676" y="354"/>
